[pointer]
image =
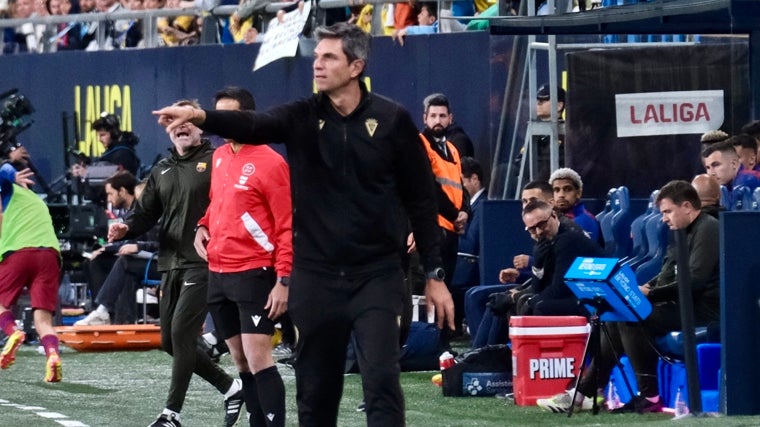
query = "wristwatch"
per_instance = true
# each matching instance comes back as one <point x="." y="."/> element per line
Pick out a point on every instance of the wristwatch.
<point x="437" y="274"/>
<point x="285" y="280"/>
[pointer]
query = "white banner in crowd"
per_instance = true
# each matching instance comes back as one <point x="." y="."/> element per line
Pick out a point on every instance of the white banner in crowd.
<point x="281" y="38"/>
<point x="668" y="113"/>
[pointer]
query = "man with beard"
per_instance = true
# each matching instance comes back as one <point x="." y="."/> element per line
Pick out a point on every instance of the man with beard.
<point x="568" y="190"/>
<point x="177" y="194"/>
<point x="453" y="201"/>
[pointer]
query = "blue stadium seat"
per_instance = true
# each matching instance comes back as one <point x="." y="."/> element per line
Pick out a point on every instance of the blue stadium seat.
<point x="148" y="282"/>
<point x="638" y="235"/>
<point x="611" y="207"/>
<point x="621" y="224"/>
<point x="725" y="197"/>
<point x="756" y="199"/>
<point x="657" y="239"/>
<point x="741" y="198"/>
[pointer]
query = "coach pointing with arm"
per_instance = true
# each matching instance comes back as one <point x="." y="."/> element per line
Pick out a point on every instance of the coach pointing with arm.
<point x="356" y="164"/>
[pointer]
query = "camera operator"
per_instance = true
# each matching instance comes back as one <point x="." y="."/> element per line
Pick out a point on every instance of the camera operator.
<point x="17" y="156"/>
<point x="120" y="152"/>
<point x="119" y="147"/>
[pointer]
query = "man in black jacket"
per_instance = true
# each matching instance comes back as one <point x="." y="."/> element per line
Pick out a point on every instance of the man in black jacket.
<point x="177" y="193"/>
<point x="356" y="165"/>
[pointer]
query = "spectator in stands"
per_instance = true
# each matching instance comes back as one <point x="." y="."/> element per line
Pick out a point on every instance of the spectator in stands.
<point x="542" y="141"/>
<point x="453" y="202"/>
<point x="119" y="34"/>
<point x="126" y="274"/>
<point x="177" y="195"/>
<point x="245" y="235"/>
<point x="708" y="190"/>
<point x="746" y="148"/>
<point x="22" y="38"/>
<point x="722" y="163"/>
<point x="404" y="15"/>
<point x="183" y="30"/>
<point x="29" y="258"/>
<point x="680" y="206"/>
<point x="427" y="19"/>
<point x="568" y="190"/>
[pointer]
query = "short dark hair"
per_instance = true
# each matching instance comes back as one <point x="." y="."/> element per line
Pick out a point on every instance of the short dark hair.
<point x="356" y="42"/>
<point x="471" y="167"/>
<point x="107" y="122"/>
<point x="242" y="96"/>
<point x="752" y="128"/>
<point x="436" y="100"/>
<point x="744" y="140"/>
<point x="544" y="186"/>
<point x="536" y="205"/>
<point x="122" y="179"/>
<point x="725" y="147"/>
<point x="680" y="191"/>
<point x="432" y="8"/>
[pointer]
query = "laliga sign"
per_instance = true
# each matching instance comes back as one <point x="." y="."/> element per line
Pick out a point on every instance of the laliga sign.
<point x="668" y="113"/>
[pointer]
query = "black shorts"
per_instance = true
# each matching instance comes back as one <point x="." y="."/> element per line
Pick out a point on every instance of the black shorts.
<point x="236" y="301"/>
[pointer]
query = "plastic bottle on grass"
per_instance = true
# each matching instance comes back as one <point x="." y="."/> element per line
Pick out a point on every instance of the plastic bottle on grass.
<point x="613" y="399"/>
<point x="680" y="408"/>
<point x="446" y="360"/>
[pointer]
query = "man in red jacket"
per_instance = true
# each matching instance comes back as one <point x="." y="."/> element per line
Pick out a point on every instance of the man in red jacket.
<point x="246" y="237"/>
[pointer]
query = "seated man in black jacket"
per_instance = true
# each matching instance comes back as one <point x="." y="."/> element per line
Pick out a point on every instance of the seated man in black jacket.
<point x="557" y="246"/>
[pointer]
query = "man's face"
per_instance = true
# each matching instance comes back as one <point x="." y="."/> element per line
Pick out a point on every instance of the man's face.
<point x="541" y="224"/>
<point x="104" y="137"/>
<point x="133" y="4"/>
<point x="674" y="215"/>
<point x="332" y="70"/>
<point x="115" y="197"/>
<point x="227" y="104"/>
<point x="532" y="194"/>
<point x="24" y="9"/>
<point x="747" y="157"/>
<point x="86" y="5"/>
<point x="566" y="195"/>
<point x="720" y="168"/>
<point x="185" y="137"/>
<point x="471" y="184"/>
<point x="424" y="17"/>
<point x="544" y="109"/>
<point x="438" y="119"/>
<point x="104" y="5"/>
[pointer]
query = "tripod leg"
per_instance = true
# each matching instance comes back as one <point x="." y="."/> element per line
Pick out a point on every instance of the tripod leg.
<point x="587" y="352"/>
<point x="618" y="362"/>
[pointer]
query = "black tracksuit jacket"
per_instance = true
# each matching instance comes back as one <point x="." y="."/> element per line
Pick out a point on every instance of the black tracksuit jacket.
<point x="352" y="180"/>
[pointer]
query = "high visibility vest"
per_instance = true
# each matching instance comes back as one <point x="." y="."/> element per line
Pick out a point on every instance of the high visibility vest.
<point x="448" y="175"/>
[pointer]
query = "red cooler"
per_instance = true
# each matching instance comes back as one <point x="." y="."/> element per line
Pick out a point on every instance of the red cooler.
<point x="547" y="354"/>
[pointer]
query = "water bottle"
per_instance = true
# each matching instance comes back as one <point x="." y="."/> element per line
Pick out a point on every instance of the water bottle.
<point x="446" y="360"/>
<point x="613" y="399"/>
<point x="680" y="406"/>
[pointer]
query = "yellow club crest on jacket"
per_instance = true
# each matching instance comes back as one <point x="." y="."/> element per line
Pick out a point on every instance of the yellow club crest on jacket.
<point x="371" y="125"/>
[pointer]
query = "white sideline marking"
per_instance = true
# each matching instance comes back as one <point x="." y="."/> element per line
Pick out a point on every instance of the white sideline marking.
<point x="40" y="412"/>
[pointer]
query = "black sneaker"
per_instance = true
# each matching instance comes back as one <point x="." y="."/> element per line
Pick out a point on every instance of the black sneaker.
<point x="639" y="404"/>
<point x="233" y="408"/>
<point x="164" y="420"/>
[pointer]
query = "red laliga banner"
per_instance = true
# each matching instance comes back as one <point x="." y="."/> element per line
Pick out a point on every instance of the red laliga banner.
<point x="668" y="113"/>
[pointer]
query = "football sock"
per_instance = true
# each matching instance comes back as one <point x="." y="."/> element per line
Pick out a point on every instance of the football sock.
<point x="50" y="344"/>
<point x="251" y="393"/>
<point x="236" y="386"/>
<point x="271" y="396"/>
<point x="7" y="322"/>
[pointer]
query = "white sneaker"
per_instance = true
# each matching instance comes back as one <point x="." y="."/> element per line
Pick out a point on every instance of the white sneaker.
<point x="560" y="403"/>
<point x="152" y="299"/>
<point x="95" y="318"/>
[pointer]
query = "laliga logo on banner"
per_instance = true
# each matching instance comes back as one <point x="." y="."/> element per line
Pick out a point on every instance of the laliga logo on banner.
<point x="668" y="113"/>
